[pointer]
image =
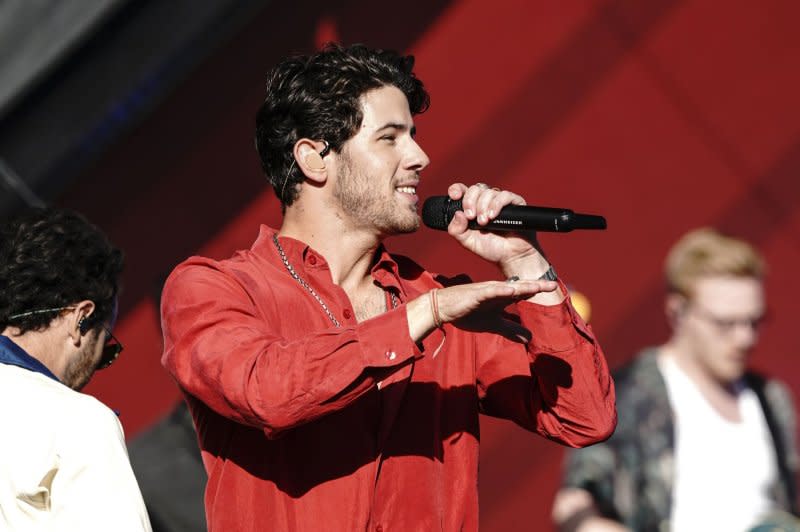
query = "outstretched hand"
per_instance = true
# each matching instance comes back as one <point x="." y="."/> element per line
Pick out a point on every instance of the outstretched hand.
<point x="456" y="302"/>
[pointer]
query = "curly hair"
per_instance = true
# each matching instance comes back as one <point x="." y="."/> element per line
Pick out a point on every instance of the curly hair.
<point x="52" y="258"/>
<point x="317" y="97"/>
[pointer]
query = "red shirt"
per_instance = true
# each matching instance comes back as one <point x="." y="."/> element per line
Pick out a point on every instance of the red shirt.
<point x="305" y="426"/>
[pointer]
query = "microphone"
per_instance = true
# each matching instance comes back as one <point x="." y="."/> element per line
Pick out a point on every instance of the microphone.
<point x="437" y="211"/>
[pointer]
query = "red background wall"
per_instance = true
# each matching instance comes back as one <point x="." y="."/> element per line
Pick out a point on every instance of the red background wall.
<point x="662" y="115"/>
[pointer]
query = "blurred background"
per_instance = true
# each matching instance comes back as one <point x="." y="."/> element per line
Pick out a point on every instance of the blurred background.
<point x="661" y="115"/>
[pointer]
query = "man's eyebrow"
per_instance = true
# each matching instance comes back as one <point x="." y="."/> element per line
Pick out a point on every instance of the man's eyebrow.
<point x="397" y="126"/>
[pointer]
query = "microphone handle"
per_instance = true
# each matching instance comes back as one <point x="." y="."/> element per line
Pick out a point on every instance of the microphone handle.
<point x="549" y="219"/>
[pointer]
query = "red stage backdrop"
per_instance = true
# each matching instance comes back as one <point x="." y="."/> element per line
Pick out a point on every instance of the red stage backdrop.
<point x="662" y="115"/>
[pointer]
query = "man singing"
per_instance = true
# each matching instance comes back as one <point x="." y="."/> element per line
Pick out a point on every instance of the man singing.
<point x="336" y="386"/>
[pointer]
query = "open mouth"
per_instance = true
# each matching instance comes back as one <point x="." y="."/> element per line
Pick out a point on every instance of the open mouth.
<point x="409" y="192"/>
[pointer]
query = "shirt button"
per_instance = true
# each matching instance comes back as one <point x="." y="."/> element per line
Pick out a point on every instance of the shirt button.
<point x="347" y="314"/>
<point x="391" y="355"/>
<point x="379" y="528"/>
<point x="312" y="260"/>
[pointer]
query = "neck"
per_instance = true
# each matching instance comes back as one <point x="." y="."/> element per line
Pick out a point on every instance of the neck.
<point x="349" y="252"/>
<point x="682" y="356"/>
<point x="39" y="345"/>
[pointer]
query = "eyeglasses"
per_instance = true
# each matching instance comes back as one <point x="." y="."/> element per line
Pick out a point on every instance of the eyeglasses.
<point x="111" y="349"/>
<point x="728" y="325"/>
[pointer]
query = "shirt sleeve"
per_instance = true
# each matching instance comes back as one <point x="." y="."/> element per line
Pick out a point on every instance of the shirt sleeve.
<point x="555" y="382"/>
<point x="94" y="488"/>
<point x="223" y="351"/>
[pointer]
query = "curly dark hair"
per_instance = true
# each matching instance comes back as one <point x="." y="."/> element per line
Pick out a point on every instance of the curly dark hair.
<point x="317" y="97"/>
<point x="51" y="258"/>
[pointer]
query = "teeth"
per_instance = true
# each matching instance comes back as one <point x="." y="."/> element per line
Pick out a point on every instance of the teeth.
<point x="407" y="190"/>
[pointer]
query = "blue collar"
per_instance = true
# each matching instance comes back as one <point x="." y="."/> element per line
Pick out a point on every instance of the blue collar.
<point x="11" y="353"/>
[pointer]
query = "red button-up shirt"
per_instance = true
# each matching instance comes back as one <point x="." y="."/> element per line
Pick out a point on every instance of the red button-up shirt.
<point x="306" y="426"/>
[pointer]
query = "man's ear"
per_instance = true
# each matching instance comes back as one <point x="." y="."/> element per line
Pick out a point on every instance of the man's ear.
<point x="308" y="158"/>
<point x="675" y="308"/>
<point x="78" y="320"/>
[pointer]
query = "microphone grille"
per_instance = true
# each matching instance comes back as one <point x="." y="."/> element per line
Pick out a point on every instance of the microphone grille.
<point x="437" y="211"/>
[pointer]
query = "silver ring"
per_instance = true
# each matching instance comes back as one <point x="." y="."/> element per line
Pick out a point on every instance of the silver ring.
<point x="481" y="185"/>
<point x="512" y="279"/>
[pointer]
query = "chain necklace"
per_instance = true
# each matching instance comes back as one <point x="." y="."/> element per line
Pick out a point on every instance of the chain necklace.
<point x="308" y="287"/>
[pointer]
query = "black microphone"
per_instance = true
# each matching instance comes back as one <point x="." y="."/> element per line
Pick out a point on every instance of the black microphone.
<point x="437" y="211"/>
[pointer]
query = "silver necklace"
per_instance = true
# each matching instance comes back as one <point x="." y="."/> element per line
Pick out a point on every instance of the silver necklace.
<point x="308" y="287"/>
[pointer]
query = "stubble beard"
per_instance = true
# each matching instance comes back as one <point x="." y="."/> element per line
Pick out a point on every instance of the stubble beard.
<point x="364" y="204"/>
<point x="80" y="369"/>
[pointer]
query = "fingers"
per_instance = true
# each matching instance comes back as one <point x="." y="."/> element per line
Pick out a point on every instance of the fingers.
<point x="458" y="301"/>
<point x="458" y="225"/>
<point x="456" y="190"/>
<point x="525" y="289"/>
<point x="481" y="202"/>
<point x="490" y="290"/>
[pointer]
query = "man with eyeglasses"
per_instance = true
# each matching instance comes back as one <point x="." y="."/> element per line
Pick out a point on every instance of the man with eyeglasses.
<point x="702" y="443"/>
<point x="63" y="462"/>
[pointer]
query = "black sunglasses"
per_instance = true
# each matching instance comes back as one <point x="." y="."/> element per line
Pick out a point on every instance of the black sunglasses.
<point x="111" y="349"/>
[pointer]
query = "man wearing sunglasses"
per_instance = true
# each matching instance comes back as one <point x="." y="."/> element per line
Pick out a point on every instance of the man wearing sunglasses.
<point x="702" y="442"/>
<point x="63" y="462"/>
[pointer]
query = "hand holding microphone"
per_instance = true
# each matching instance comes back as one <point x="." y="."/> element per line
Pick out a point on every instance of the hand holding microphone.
<point x="505" y="226"/>
<point x="438" y="211"/>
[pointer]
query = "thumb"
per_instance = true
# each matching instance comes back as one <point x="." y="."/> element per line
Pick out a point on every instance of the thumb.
<point x="458" y="225"/>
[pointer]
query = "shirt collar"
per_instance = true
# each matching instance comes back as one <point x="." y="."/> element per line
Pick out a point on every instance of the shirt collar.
<point x="14" y="355"/>
<point x="385" y="270"/>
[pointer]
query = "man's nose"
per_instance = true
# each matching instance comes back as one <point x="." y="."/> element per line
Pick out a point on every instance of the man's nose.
<point x="417" y="159"/>
<point x="745" y="335"/>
